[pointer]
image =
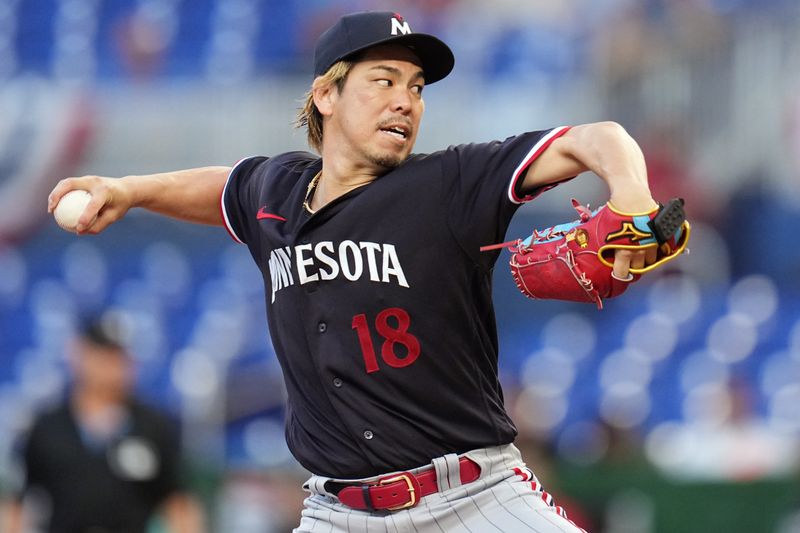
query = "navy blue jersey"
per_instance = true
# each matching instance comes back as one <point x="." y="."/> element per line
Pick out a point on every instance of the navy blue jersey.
<point x="379" y="304"/>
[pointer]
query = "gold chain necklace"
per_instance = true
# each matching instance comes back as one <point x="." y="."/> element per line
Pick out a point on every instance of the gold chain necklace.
<point x="310" y="192"/>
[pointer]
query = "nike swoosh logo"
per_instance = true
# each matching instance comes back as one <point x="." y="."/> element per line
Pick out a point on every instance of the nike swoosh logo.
<point x="262" y="214"/>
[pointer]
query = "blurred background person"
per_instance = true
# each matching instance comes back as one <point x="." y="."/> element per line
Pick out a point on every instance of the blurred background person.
<point x="100" y="461"/>
<point x="726" y="440"/>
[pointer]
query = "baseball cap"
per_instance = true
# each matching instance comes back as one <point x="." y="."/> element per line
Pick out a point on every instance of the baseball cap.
<point x="108" y="330"/>
<point x="356" y="32"/>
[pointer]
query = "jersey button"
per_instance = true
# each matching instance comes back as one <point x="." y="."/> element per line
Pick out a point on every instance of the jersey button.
<point x="322" y="327"/>
<point x="337" y="382"/>
<point x="368" y="435"/>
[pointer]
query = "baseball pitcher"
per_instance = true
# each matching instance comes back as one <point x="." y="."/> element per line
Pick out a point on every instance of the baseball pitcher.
<point x="378" y="292"/>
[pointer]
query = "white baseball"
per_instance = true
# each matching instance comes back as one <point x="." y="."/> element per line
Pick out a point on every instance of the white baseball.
<point x="70" y="208"/>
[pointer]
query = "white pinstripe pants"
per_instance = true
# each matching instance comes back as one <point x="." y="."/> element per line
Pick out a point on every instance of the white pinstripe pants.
<point x="507" y="498"/>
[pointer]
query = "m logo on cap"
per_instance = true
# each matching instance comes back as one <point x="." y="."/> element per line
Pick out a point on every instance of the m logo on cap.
<point x="400" y="27"/>
<point x="357" y="32"/>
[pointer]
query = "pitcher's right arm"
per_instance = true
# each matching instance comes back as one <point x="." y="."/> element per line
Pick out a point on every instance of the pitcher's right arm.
<point x="192" y="195"/>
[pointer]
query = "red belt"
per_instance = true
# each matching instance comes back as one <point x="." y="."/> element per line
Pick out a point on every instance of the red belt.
<point x="399" y="491"/>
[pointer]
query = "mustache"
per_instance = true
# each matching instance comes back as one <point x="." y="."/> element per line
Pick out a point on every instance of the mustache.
<point x="405" y="121"/>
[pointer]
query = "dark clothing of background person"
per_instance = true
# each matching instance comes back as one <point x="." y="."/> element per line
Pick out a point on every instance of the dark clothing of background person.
<point x="111" y="485"/>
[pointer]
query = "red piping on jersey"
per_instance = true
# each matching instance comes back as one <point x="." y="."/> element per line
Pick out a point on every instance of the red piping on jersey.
<point x="530" y="158"/>
<point x="222" y="203"/>
<point x="224" y="221"/>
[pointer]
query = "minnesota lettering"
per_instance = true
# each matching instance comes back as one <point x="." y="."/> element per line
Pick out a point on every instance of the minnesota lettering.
<point x="325" y="261"/>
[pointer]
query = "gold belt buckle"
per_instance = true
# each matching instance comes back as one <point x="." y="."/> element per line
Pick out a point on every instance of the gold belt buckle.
<point x="409" y="485"/>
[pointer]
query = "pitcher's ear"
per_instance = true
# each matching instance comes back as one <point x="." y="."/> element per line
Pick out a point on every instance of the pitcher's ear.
<point x="324" y="97"/>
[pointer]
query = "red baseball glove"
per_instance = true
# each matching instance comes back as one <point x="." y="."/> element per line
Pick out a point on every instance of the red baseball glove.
<point x="574" y="261"/>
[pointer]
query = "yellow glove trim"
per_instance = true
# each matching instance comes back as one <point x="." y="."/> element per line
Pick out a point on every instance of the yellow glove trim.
<point x="687" y="229"/>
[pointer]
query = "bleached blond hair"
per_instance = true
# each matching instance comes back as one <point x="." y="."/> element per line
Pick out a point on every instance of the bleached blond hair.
<point x="309" y="116"/>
